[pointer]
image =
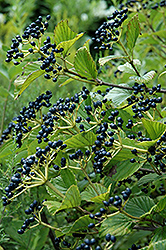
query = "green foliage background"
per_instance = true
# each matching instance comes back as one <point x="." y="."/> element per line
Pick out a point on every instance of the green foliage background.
<point x="83" y="16"/>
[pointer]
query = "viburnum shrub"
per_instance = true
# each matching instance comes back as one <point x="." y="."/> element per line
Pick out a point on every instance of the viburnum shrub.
<point x="99" y="155"/>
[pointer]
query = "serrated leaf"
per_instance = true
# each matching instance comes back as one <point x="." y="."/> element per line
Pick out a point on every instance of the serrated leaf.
<point x="64" y="37"/>
<point x="145" y="78"/>
<point x="82" y="223"/>
<point x="159" y="234"/>
<point x="81" y="140"/>
<point x="106" y="59"/>
<point x="161" y="205"/>
<point x="125" y="169"/>
<point x="84" y="64"/>
<point x="160" y="245"/>
<point x="118" y="95"/>
<point x="86" y="44"/>
<point x="52" y="206"/>
<point x="118" y="225"/>
<point x="127" y="67"/>
<point x="66" y="45"/>
<point x="31" y="73"/>
<point x="68" y="177"/>
<point x="96" y="194"/>
<point x="155" y="129"/>
<point x="147" y="178"/>
<point x="139" y="206"/>
<point x="72" y="198"/>
<point x="133" y="31"/>
<point x="164" y="72"/>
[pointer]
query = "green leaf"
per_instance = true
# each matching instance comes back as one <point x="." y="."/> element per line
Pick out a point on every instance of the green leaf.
<point x="160" y="245"/>
<point x="118" y="225"/>
<point x="159" y="234"/>
<point x="145" y="78"/>
<point x="23" y="81"/>
<point x="133" y="31"/>
<point x="52" y="206"/>
<point x="164" y="72"/>
<point x="125" y="169"/>
<point x="147" y="178"/>
<point x="82" y="223"/>
<point x="84" y="64"/>
<point x="106" y="59"/>
<point x="155" y="129"/>
<point x="118" y="95"/>
<point x="139" y="206"/>
<point x="96" y="194"/>
<point x="68" y="177"/>
<point x="64" y="37"/>
<point x="127" y="67"/>
<point x="4" y="71"/>
<point x="81" y="140"/>
<point x="72" y="198"/>
<point x="3" y="92"/>
<point x="30" y="240"/>
<point x="161" y="205"/>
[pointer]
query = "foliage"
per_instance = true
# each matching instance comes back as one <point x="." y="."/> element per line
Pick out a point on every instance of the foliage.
<point x="87" y="171"/>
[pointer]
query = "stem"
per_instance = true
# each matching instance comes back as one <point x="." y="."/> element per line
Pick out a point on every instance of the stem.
<point x="155" y="169"/>
<point x="129" y="60"/>
<point x="51" y="235"/>
<point x="50" y="185"/>
<point x="89" y="180"/>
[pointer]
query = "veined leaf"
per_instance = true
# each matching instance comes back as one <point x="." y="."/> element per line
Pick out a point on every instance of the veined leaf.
<point x="159" y="234"/>
<point x="133" y="31"/>
<point x="106" y="59"/>
<point x="147" y="178"/>
<point x="72" y="198"/>
<point x="145" y="78"/>
<point x="127" y="67"/>
<point x="84" y="64"/>
<point x="155" y="129"/>
<point x="118" y="95"/>
<point x="68" y="177"/>
<point x="31" y="73"/>
<point x="161" y="205"/>
<point x="139" y="206"/>
<point x="125" y="169"/>
<point x="52" y="206"/>
<point x="64" y="37"/>
<point x="81" y="140"/>
<point x="66" y="45"/>
<point x="82" y="223"/>
<point x="118" y="225"/>
<point x="160" y="245"/>
<point x="96" y="194"/>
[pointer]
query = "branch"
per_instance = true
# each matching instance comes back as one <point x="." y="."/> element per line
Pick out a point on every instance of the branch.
<point x="100" y="82"/>
<point x="51" y="235"/>
<point x="144" y="228"/>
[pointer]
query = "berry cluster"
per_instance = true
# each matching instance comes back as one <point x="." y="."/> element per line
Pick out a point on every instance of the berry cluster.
<point x="108" y="32"/>
<point x="34" y="31"/>
<point x="142" y="103"/>
<point x="47" y="52"/>
<point x="117" y="201"/>
<point x="27" y="115"/>
<point x="139" y="5"/>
